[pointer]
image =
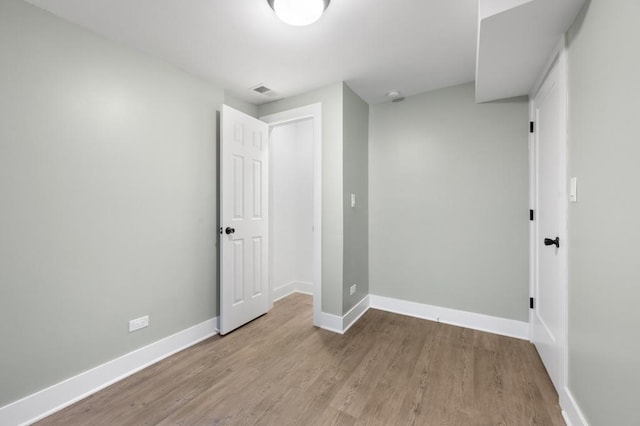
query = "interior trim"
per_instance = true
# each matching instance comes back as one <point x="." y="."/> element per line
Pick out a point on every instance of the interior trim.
<point x="475" y="321"/>
<point x="45" y="402"/>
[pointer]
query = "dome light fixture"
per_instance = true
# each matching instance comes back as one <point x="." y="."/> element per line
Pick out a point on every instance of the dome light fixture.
<point x="299" y="12"/>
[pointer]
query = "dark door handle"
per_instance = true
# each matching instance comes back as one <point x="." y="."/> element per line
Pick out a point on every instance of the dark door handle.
<point x="229" y="230"/>
<point x="550" y="242"/>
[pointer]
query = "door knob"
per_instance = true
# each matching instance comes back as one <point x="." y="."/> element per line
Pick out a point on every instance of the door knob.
<point x="550" y="242"/>
<point x="229" y="230"/>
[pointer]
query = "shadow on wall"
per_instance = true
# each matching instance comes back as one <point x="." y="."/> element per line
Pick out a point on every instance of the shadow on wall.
<point x="514" y="100"/>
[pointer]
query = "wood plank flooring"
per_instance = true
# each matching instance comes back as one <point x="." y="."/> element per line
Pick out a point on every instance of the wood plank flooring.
<point x="387" y="369"/>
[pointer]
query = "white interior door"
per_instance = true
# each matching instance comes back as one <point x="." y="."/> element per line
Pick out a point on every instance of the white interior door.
<point x="244" y="223"/>
<point x="548" y="317"/>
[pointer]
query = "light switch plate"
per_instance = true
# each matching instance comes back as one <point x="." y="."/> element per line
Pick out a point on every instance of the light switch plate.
<point x="573" y="190"/>
<point x="353" y="200"/>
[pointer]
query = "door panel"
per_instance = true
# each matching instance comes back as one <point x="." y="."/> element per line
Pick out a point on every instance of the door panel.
<point x="257" y="267"/>
<point x="238" y="272"/>
<point x="257" y="189"/>
<point x="548" y="314"/>
<point x="243" y="213"/>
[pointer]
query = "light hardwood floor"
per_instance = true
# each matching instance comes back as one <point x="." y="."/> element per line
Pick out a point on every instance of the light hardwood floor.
<point x="387" y="369"/>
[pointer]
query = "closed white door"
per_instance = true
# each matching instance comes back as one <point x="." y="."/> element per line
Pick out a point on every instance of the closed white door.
<point x="548" y="310"/>
<point x="244" y="222"/>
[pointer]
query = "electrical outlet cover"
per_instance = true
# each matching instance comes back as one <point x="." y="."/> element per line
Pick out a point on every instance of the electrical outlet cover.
<point x="138" y="323"/>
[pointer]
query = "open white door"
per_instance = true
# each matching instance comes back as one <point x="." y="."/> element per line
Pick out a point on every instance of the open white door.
<point x="549" y="305"/>
<point x="244" y="223"/>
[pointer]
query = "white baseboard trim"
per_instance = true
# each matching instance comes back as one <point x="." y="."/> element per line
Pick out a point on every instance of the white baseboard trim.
<point x="290" y="288"/>
<point x="304" y="287"/>
<point x="502" y="326"/>
<point x="481" y="322"/>
<point x="331" y="322"/>
<point x="355" y="313"/>
<point x="54" y="398"/>
<point x="571" y="411"/>
<point x="340" y="324"/>
<point x="283" y="291"/>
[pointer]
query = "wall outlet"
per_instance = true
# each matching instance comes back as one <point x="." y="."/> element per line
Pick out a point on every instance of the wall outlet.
<point x="352" y="289"/>
<point x="138" y="323"/>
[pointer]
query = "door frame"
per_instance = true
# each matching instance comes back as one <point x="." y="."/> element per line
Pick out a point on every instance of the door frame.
<point x="314" y="112"/>
<point x="559" y="56"/>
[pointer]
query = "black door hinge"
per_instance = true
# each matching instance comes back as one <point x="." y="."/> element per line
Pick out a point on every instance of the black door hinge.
<point x="531" y="304"/>
<point x="531" y="215"/>
<point x="532" y="127"/>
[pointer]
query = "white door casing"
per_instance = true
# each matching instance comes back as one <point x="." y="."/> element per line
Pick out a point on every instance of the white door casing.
<point x="244" y="219"/>
<point x="549" y="275"/>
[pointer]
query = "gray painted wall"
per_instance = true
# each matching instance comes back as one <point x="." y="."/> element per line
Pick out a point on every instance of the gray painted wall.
<point x="604" y="278"/>
<point x="107" y="164"/>
<point x="332" y="191"/>
<point x="355" y="181"/>
<point x="448" y="202"/>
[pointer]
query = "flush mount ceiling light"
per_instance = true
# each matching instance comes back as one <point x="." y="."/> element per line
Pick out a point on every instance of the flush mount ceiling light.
<point x="299" y="12"/>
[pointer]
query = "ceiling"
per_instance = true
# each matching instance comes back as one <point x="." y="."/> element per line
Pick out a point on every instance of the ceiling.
<point x="516" y="38"/>
<point x="375" y="46"/>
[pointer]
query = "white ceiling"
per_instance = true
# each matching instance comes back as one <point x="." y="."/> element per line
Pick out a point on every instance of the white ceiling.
<point x="375" y="46"/>
<point x="516" y="38"/>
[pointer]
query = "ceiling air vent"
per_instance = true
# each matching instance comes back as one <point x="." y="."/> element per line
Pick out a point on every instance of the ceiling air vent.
<point x="264" y="90"/>
<point x="261" y="89"/>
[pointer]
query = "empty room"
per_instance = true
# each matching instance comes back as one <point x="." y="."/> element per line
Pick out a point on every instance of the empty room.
<point x="319" y="212"/>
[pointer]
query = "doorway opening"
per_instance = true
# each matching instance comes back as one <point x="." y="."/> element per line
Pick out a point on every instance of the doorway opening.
<point x="291" y="208"/>
<point x="295" y="204"/>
